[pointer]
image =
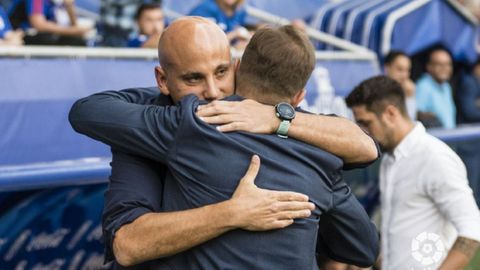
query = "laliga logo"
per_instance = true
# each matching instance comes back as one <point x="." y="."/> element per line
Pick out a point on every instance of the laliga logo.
<point x="427" y="248"/>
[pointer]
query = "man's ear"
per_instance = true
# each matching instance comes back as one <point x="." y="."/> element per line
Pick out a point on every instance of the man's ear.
<point x="391" y="113"/>
<point x="161" y="77"/>
<point x="298" y="98"/>
<point x="386" y="69"/>
<point x="236" y="64"/>
<point x="429" y="68"/>
<point x="236" y="68"/>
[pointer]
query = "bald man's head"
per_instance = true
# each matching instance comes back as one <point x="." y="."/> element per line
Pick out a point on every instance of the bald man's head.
<point x="194" y="56"/>
<point x="187" y="37"/>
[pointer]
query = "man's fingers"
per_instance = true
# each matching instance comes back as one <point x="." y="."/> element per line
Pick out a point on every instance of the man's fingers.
<point x="252" y="170"/>
<point x="279" y="224"/>
<point x="295" y="206"/>
<point x="285" y="196"/>
<point x="215" y="108"/>
<point x="234" y="126"/>
<point x="219" y="119"/>
<point x="286" y="219"/>
<point x="294" y="214"/>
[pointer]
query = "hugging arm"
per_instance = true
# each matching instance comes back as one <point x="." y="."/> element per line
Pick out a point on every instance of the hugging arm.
<point x="336" y="135"/>
<point x="346" y="233"/>
<point x="118" y="119"/>
<point x="136" y="230"/>
<point x="115" y="119"/>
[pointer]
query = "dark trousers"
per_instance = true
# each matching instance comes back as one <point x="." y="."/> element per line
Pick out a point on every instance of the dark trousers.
<point x="53" y="39"/>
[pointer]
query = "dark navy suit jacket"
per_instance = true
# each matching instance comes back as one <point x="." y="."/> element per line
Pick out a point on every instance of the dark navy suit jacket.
<point x="205" y="167"/>
<point x="467" y="97"/>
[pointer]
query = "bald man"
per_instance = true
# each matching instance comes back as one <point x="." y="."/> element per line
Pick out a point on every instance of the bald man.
<point x="196" y="60"/>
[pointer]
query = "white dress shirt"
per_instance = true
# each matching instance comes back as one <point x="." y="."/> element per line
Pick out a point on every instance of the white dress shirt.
<point x="426" y="203"/>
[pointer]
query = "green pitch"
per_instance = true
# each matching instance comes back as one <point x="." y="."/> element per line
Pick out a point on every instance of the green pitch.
<point x="475" y="263"/>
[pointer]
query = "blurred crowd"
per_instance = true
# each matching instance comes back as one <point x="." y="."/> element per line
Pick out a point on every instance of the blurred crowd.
<point x="127" y="23"/>
<point x="440" y="97"/>
<point x="432" y="99"/>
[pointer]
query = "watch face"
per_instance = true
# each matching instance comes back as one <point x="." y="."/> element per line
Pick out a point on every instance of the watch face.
<point x="285" y="111"/>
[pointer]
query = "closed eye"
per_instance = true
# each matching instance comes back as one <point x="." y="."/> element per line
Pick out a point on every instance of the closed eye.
<point x="222" y="70"/>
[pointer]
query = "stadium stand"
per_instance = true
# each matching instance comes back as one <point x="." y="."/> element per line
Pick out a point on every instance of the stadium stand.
<point x="52" y="180"/>
<point x="391" y="25"/>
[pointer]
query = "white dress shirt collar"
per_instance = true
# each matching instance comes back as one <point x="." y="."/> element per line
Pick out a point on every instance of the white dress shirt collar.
<point x="408" y="143"/>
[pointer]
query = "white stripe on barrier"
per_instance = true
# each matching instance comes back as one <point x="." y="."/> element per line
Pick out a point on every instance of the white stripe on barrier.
<point x="353" y="16"/>
<point x="393" y="18"/>
<point x="147" y="54"/>
<point x="367" y="28"/>
<point x="313" y="33"/>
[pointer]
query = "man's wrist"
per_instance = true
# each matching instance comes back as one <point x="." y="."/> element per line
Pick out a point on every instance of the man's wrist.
<point x="225" y="214"/>
<point x="285" y="113"/>
<point x="275" y="122"/>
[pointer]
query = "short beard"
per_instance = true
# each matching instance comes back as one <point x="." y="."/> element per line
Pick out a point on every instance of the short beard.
<point x="388" y="144"/>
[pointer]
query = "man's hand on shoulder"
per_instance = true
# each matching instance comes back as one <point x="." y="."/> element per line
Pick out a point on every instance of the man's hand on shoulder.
<point x="336" y="135"/>
<point x="257" y="209"/>
<point x="247" y="115"/>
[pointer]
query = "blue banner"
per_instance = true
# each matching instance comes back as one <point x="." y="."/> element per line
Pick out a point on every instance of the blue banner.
<point x="57" y="228"/>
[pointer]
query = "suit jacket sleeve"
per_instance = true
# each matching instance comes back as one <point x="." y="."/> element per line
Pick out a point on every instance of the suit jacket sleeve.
<point x="467" y="96"/>
<point x="113" y="118"/>
<point x="346" y="233"/>
<point x="135" y="188"/>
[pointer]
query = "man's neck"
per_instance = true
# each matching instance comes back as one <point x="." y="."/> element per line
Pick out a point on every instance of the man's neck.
<point x="438" y="81"/>
<point x="228" y="10"/>
<point x="404" y="127"/>
<point x="264" y="99"/>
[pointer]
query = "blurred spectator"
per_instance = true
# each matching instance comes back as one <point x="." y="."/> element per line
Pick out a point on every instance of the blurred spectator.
<point x="48" y="22"/>
<point x="7" y="36"/>
<point x="434" y="93"/>
<point x="117" y="20"/>
<point x="150" y="23"/>
<point x="230" y="15"/>
<point x="5" y="4"/>
<point x="429" y="216"/>
<point x="468" y="105"/>
<point x="397" y="67"/>
<point x="468" y="96"/>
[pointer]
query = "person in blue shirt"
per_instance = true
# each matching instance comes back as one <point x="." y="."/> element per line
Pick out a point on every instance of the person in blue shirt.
<point x="7" y="35"/>
<point x="53" y="22"/>
<point x="230" y="15"/>
<point x="150" y="24"/>
<point x="434" y="94"/>
<point x="340" y="214"/>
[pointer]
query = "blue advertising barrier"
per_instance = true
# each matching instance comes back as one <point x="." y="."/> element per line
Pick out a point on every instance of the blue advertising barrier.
<point x="37" y="93"/>
<point x="50" y="215"/>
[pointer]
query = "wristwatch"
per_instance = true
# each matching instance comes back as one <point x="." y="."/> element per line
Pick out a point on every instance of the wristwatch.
<point x="286" y="113"/>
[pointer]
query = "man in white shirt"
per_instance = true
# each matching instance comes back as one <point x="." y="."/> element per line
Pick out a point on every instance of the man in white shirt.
<point x="429" y="217"/>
